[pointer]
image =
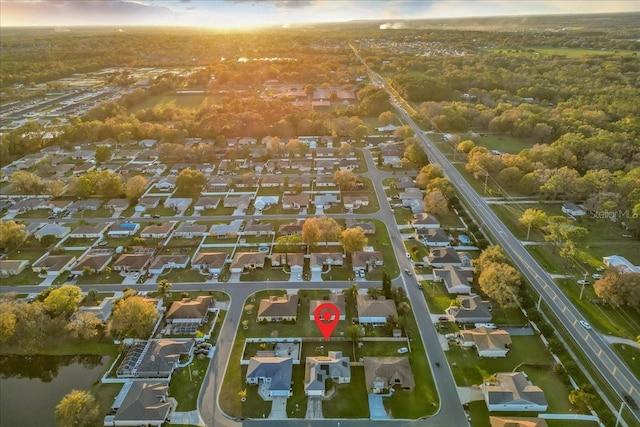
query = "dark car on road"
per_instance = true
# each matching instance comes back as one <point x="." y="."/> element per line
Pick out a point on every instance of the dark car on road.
<point x="629" y="400"/>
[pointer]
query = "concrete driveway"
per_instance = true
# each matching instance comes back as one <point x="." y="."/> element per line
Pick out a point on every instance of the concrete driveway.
<point x="376" y="408"/>
<point x="314" y="408"/>
<point x="278" y="409"/>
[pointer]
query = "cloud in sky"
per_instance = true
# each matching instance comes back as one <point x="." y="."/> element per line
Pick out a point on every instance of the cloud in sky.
<point x="248" y="13"/>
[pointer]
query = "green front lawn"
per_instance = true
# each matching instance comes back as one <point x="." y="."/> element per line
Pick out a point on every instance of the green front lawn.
<point x="185" y="383"/>
<point x="403" y="215"/>
<point x="179" y="275"/>
<point x="27" y="277"/>
<point x="100" y="279"/>
<point x="34" y="214"/>
<point x="350" y="400"/>
<point x="264" y="274"/>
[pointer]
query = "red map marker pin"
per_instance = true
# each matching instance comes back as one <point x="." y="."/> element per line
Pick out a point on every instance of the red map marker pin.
<point x="327" y="316"/>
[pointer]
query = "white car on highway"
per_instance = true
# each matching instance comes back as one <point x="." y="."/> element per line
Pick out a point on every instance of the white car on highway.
<point x="585" y="324"/>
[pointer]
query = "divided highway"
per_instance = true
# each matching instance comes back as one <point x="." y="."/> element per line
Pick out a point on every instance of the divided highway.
<point x="590" y="342"/>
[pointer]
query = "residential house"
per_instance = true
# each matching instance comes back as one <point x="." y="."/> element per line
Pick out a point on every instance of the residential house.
<point x="325" y="165"/>
<point x="59" y="206"/>
<point x="166" y="183"/>
<point x="374" y="311"/>
<point x="177" y="203"/>
<point x="324" y="181"/>
<point x="271" y="181"/>
<point x="512" y="391"/>
<point x="367" y="227"/>
<point x="295" y="261"/>
<point x="366" y="260"/>
<point x="148" y="143"/>
<point x="384" y="373"/>
<point x="304" y="166"/>
<point x="336" y="299"/>
<point x="93" y="262"/>
<point x="206" y="202"/>
<point x="117" y="205"/>
<point x="157" y="231"/>
<point x="471" y="310"/>
<point x="319" y="259"/>
<point x="572" y="209"/>
<point x="302" y="182"/>
<point x="404" y="182"/>
<point x="190" y="310"/>
<point x="155" y="168"/>
<point x="257" y="228"/>
<point x="437" y="237"/>
<point x="226" y="231"/>
<point x="278" y="309"/>
<point x="238" y="202"/>
<point x="146" y="203"/>
<point x="350" y="164"/>
<point x="12" y="267"/>
<point x="220" y="183"/>
<point x="441" y="257"/>
<point x="325" y="152"/>
<point x="325" y="201"/>
<point x="355" y="199"/>
<point x="292" y="228"/>
<point x="264" y="202"/>
<point x="273" y="373"/>
<point x="89" y="231"/>
<point x="318" y="369"/>
<point x="213" y="262"/>
<point x="188" y="230"/>
<point x="456" y="280"/>
<point x="53" y="265"/>
<point x="248" y="180"/>
<point x="517" y="422"/>
<point x="124" y="229"/>
<point x="412" y="198"/>
<point x="392" y="154"/>
<point x="488" y="342"/>
<point x="102" y="311"/>
<point x="83" y="168"/>
<point x="132" y="263"/>
<point x="247" y="260"/>
<point x="163" y="262"/>
<point x="154" y="358"/>
<point x="617" y="261"/>
<point x="25" y="205"/>
<point x="141" y="403"/>
<point x="425" y="221"/>
<point x="85" y="205"/>
<point x="295" y="201"/>
<point x="56" y="230"/>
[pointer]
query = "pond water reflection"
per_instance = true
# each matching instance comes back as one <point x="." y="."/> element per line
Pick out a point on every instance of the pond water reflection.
<point x="32" y="386"/>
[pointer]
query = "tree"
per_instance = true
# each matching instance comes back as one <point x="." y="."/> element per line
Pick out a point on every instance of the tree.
<point x="533" y="218"/>
<point x="582" y="400"/>
<point x="103" y="153"/>
<point x="500" y="282"/>
<point x="360" y="132"/>
<point x="290" y="243"/>
<point x="386" y="118"/>
<point x="294" y="147"/>
<point x="443" y="185"/>
<point x="311" y="232"/>
<point x="78" y="409"/>
<point x="386" y="284"/>
<point x="489" y="256"/>
<point x="427" y="173"/>
<point x="191" y="179"/>
<point x="63" y="301"/>
<point x="27" y="182"/>
<point x="354" y="332"/>
<point x="466" y="146"/>
<point x="8" y="319"/>
<point x="12" y="235"/>
<point x="84" y="325"/>
<point x="135" y="187"/>
<point x="436" y="203"/>
<point x="133" y="317"/>
<point x="353" y="239"/>
<point x="345" y="179"/>
<point x="414" y="152"/>
<point x="619" y="288"/>
<point x="164" y="289"/>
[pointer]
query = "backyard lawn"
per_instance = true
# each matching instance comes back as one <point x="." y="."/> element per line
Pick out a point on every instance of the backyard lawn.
<point x="350" y="400"/>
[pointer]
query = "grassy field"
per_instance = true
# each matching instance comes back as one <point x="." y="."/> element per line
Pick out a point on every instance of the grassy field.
<point x="504" y="143"/>
<point x="185" y="383"/>
<point x="178" y="101"/>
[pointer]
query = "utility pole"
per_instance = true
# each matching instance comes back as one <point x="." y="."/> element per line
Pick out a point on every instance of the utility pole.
<point x="619" y="414"/>
<point x="584" y="283"/>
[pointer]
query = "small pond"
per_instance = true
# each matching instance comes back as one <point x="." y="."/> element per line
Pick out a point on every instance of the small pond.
<point x="32" y="386"/>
